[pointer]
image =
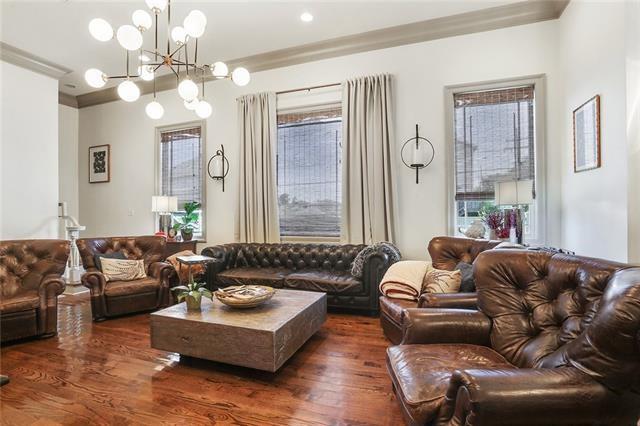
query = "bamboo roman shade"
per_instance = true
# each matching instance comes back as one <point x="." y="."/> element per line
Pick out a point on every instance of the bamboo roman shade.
<point x="494" y="140"/>
<point x="181" y="164"/>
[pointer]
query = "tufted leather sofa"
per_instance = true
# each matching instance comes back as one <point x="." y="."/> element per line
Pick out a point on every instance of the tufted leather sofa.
<point x="446" y="253"/>
<point x="113" y="298"/>
<point x="30" y="282"/>
<point x="556" y="341"/>
<point x="312" y="267"/>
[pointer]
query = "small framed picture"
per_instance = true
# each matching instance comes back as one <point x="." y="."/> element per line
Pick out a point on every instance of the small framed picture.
<point x="586" y="135"/>
<point x="99" y="163"/>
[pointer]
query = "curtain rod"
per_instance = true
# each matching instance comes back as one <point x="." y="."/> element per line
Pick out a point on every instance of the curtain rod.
<point x="302" y="89"/>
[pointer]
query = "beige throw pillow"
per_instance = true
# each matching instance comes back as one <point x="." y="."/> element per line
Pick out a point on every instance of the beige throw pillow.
<point x="441" y="281"/>
<point x="123" y="270"/>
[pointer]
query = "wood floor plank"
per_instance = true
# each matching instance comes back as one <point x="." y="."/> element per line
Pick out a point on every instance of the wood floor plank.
<point x="107" y="374"/>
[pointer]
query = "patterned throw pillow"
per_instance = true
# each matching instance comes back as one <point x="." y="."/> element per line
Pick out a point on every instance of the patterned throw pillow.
<point x="123" y="270"/>
<point x="441" y="281"/>
<point x="357" y="269"/>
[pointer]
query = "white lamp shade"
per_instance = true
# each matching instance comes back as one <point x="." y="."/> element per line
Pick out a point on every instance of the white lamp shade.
<point x="95" y="78"/>
<point x="195" y="23"/>
<point x="156" y="5"/>
<point x="146" y="72"/>
<point x="129" y="37"/>
<point x="204" y="109"/>
<point x="128" y="91"/>
<point x="191" y="105"/>
<point x="164" y="204"/>
<point x="219" y="70"/>
<point x="154" y="110"/>
<point x="188" y="90"/>
<point x="100" y="29"/>
<point x="511" y="193"/>
<point x="179" y="35"/>
<point x="141" y="19"/>
<point x="241" y="76"/>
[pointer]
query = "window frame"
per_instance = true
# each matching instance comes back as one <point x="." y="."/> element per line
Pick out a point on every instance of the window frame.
<point x="158" y="168"/>
<point x="306" y="108"/>
<point x="538" y="82"/>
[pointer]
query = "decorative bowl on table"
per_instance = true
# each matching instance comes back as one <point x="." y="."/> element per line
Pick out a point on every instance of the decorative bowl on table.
<point x="244" y="296"/>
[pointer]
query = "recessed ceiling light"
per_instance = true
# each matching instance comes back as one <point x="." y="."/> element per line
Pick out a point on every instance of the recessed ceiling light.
<point x="306" y="17"/>
<point x="144" y="58"/>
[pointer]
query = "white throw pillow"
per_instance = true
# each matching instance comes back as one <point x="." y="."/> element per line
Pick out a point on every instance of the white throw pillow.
<point x="123" y="270"/>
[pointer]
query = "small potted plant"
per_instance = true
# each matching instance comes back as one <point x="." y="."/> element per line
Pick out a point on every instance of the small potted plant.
<point x="494" y="219"/>
<point x="188" y="221"/>
<point x="192" y="293"/>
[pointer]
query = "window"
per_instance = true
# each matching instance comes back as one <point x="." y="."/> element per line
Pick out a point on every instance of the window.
<point x="181" y="171"/>
<point x="309" y="173"/>
<point x="494" y="140"/>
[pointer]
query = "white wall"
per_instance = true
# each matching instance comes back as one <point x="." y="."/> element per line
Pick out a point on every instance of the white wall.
<point x="632" y="41"/>
<point x="28" y="154"/>
<point x="592" y="61"/>
<point x="68" y="161"/>
<point x="421" y="71"/>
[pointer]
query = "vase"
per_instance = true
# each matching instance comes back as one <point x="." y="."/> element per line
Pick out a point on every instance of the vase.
<point x="193" y="303"/>
<point x="187" y="235"/>
<point x="492" y="234"/>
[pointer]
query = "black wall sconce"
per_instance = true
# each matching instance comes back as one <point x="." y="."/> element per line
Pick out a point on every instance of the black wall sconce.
<point x="419" y="153"/>
<point x="218" y="166"/>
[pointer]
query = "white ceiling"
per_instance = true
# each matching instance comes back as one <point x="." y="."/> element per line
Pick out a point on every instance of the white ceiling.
<point x="57" y="30"/>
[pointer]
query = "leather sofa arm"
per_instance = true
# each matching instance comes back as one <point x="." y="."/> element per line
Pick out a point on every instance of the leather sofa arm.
<point x="163" y="271"/>
<point x="373" y="271"/>
<point x="424" y="326"/>
<point x="51" y="287"/>
<point x="535" y="396"/>
<point x="95" y="281"/>
<point x="221" y="254"/>
<point x="449" y="300"/>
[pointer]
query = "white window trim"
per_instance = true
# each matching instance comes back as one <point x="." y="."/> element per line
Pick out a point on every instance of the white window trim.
<point x="158" y="174"/>
<point x="538" y="81"/>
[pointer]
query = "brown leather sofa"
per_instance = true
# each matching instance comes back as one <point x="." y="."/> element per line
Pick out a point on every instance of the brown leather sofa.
<point x="446" y="253"/>
<point x="31" y="281"/>
<point x="556" y="341"/>
<point x="313" y="267"/>
<point x="113" y="298"/>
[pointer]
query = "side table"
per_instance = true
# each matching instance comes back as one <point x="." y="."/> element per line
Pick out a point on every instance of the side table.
<point x="174" y="247"/>
<point x="189" y="261"/>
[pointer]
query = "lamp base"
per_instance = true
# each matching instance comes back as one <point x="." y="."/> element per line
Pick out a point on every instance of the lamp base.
<point x="164" y="223"/>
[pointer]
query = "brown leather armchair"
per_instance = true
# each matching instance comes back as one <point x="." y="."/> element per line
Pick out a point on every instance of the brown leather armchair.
<point x="556" y="341"/>
<point x="446" y="253"/>
<point x="31" y="281"/>
<point x="113" y="298"/>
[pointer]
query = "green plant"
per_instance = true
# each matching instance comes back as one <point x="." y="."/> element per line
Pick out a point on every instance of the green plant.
<point x="193" y="290"/>
<point x="190" y="219"/>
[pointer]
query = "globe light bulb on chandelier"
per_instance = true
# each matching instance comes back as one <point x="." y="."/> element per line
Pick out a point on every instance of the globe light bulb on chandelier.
<point x="141" y="20"/>
<point x="128" y="91"/>
<point x="180" y="57"/>
<point x="100" y="29"/>
<point x="154" y="110"/>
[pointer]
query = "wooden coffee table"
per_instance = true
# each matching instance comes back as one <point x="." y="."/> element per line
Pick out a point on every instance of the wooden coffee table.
<point x="262" y="338"/>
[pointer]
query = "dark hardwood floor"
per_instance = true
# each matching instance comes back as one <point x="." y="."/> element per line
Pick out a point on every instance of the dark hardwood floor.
<point x="106" y="373"/>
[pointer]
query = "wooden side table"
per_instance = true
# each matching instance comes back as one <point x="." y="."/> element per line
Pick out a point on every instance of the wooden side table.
<point x="193" y="260"/>
<point x="174" y="247"/>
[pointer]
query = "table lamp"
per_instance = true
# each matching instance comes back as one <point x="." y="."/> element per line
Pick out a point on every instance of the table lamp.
<point x="164" y="205"/>
<point x="515" y="193"/>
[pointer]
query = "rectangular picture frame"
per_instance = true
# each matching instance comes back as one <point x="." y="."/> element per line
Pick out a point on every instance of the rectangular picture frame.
<point x="586" y="136"/>
<point x="100" y="163"/>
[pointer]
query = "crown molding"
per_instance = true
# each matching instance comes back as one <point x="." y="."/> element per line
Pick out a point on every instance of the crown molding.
<point x="24" y="59"/>
<point x="68" y="100"/>
<point x="522" y="13"/>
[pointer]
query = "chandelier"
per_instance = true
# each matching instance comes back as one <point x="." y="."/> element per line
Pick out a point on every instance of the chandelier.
<point x="176" y="58"/>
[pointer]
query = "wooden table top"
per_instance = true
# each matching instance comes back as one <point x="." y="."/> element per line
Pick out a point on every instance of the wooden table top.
<point x="270" y="316"/>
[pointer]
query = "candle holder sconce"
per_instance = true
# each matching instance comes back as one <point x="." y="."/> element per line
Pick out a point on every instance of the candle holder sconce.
<point x="420" y="154"/>
<point x="218" y="166"/>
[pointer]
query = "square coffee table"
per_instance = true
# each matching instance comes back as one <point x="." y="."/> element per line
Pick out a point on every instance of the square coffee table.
<point x="262" y="338"/>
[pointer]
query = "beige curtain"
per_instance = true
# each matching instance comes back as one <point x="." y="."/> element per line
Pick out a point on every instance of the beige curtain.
<point x="368" y="195"/>
<point x="257" y="219"/>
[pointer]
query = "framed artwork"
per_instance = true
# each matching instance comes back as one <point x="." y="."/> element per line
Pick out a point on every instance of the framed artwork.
<point x="586" y="135"/>
<point x="99" y="163"/>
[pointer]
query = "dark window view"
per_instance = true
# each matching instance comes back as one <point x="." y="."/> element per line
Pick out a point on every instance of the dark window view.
<point x="494" y="142"/>
<point x="309" y="173"/>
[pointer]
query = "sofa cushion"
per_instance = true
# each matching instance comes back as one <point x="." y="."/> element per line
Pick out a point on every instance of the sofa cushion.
<point x="272" y="277"/>
<point x="24" y="302"/>
<point x="123" y="288"/>
<point x="393" y="308"/>
<point x="333" y="282"/>
<point x="421" y="373"/>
